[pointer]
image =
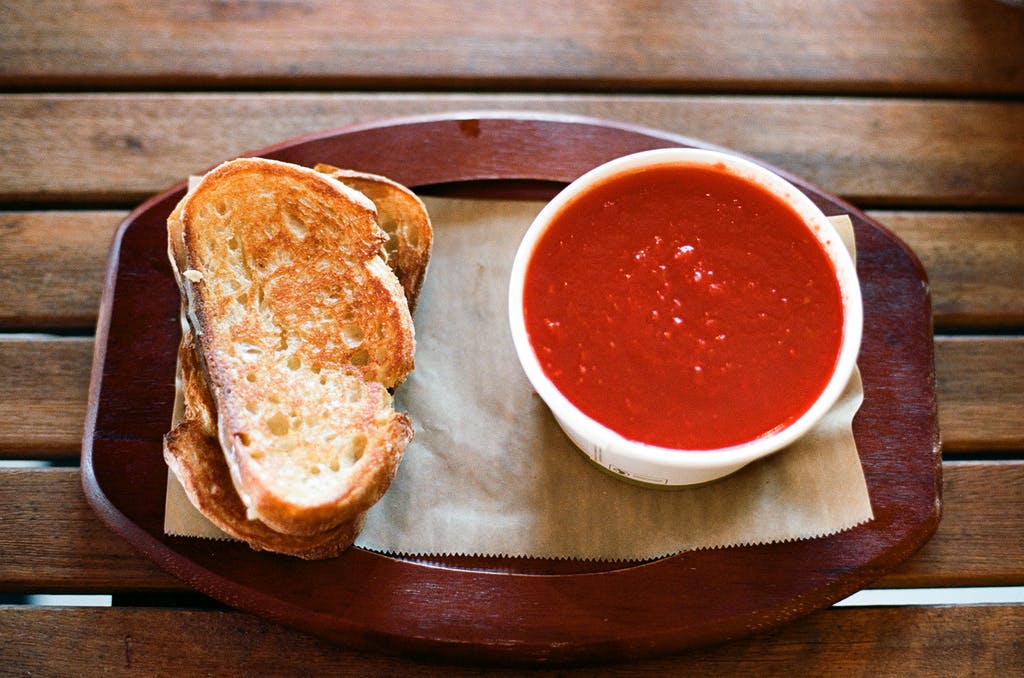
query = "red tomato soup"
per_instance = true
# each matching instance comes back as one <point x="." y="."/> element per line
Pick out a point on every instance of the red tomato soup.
<point x="683" y="307"/>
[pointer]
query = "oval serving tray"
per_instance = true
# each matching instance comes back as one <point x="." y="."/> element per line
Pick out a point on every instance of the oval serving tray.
<point x="504" y="610"/>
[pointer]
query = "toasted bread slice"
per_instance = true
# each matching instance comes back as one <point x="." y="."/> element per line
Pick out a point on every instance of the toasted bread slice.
<point x="403" y="216"/>
<point x="192" y="450"/>
<point x="300" y="329"/>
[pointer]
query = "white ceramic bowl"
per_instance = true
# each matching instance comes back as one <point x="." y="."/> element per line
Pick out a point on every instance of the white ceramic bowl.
<point x="661" y="466"/>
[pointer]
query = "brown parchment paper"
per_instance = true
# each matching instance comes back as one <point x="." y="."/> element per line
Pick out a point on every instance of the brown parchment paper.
<point x="489" y="472"/>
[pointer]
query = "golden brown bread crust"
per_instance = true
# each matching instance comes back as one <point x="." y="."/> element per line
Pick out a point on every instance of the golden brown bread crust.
<point x="403" y="216"/>
<point x="295" y="346"/>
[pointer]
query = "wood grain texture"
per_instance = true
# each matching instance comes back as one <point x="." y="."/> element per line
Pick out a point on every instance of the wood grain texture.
<point x="834" y="642"/>
<point x="44" y="390"/>
<point x="916" y="46"/>
<point x="980" y="394"/>
<point x="873" y="152"/>
<point x="52" y="267"/>
<point x="52" y="541"/>
<point x="977" y="542"/>
<point x="975" y="263"/>
<point x="52" y="263"/>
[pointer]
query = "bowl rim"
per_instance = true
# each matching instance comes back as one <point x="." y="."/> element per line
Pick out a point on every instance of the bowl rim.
<point x="729" y="457"/>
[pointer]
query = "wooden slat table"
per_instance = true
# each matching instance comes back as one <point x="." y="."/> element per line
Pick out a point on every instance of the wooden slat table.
<point x="913" y="111"/>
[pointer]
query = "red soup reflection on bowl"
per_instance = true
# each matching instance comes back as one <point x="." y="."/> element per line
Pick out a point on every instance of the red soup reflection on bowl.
<point x="684" y="306"/>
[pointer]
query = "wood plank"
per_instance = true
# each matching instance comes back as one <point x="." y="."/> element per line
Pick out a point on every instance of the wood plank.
<point x="975" y="264"/>
<point x="52" y="267"/>
<point x="976" y="525"/>
<point x="44" y="390"/>
<point x="922" y="46"/>
<point x="52" y="264"/>
<point x="921" y="641"/>
<point x="977" y="544"/>
<point x="980" y="394"/>
<point x="52" y="541"/>
<point x="874" y="152"/>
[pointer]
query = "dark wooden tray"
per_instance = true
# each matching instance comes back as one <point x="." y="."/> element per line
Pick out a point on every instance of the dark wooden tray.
<point x="498" y="610"/>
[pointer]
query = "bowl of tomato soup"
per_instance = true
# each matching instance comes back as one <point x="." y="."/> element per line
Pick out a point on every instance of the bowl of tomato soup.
<point x="683" y="312"/>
